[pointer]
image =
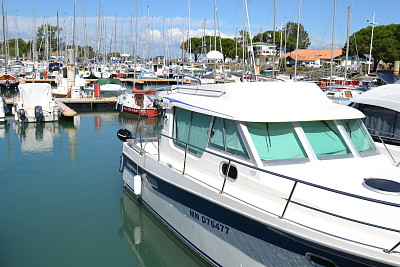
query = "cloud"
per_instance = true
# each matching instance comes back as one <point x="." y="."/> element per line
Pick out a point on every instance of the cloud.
<point x="156" y="35"/>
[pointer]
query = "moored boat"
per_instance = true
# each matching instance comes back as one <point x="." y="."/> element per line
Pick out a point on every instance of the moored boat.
<point x="35" y="103"/>
<point x="3" y="109"/>
<point x="139" y="102"/>
<point x="381" y="107"/>
<point x="108" y="87"/>
<point x="246" y="175"/>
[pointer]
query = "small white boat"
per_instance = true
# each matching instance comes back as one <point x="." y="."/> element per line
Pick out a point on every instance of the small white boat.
<point x="140" y="102"/>
<point x="35" y="103"/>
<point x="267" y="174"/>
<point x="3" y="109"/>
<point x="108" y="88"/>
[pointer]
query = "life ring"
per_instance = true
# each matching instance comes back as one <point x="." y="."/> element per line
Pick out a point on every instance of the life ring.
<point x="164" y="72"/>
<point x="323" y="85"/>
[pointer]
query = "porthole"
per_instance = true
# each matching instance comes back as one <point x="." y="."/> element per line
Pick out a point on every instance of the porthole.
<point x="232" y="174"/>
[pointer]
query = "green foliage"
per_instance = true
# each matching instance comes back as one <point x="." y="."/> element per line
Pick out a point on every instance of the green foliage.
<point x="51" y="33"/>
<point x="291" y="31"/>
<point x="385" y="46"/>
<point x="208" y="43"/>
<point x="23" y="47"/>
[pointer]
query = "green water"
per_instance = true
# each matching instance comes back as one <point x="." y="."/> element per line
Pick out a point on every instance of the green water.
<point x="62" y="202"/>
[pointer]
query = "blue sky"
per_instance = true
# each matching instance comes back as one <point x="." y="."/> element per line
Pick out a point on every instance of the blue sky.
<point x="170" y="17"/>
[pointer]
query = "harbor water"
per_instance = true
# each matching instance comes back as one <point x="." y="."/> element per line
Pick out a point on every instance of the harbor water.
<point x="62" y="202"/>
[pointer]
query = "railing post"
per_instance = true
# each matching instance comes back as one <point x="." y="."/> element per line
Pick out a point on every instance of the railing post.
<point x="158" y="147"/>
<point x="226" y="175"/>
<point x="388" y="251"/>
<point x="184" y="161"/>
<point x="390" y="154"/>
<point x="288" y="201"/>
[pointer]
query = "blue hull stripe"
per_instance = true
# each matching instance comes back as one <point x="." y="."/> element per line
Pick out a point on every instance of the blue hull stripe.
<point x="248" y="226"/>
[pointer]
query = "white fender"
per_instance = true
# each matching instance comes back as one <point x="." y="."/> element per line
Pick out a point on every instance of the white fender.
<point x="137" y="235"/>
<point x="137" y="185"/>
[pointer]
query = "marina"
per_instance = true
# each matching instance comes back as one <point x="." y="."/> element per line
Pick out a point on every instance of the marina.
<point x="138" y="139"/>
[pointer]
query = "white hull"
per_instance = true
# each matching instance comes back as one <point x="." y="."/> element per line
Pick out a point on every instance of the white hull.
<point x="240" y="249"/>
<point x="195" y="225"/>
<point x="255" y="203"/>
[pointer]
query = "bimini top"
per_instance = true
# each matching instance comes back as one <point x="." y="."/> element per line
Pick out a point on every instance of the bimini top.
<point x="35" y="94"/>
<point x="386" y="96"/>
<point x="260" y="102"/>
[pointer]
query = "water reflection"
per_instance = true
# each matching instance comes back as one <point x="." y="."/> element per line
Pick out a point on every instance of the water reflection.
<point x="37" y="137"/>
<point x="40" y="137"/>
<point x="150" y="241"/>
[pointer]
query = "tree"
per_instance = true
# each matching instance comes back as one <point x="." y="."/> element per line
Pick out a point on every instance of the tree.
<point x="23" y="47"/>
<point x="51" y="33"/>
<point x="291" y="31"/>
<point x="385" y="46"/>
<point x="208" y="43"/>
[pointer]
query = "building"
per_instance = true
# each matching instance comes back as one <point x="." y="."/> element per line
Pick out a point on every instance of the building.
<point x="312" y="57"/>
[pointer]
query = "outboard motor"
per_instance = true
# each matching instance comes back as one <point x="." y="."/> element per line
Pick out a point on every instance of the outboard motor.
<point x="38" y="113"/>
<point x="157" y="104"/>
<point x="124" y="134"/>
<point x="21" y="114"/>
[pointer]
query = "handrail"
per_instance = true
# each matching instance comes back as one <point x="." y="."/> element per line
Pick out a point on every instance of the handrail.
<point x="288" y="200"/>
<point x="383" y="142"/>
<point x="279" y="175"/>
<point x="190" y="76"/>
<point x="196" y="89"/>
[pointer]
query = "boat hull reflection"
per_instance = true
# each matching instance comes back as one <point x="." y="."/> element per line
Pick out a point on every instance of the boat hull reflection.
<point x="144" y="232"/>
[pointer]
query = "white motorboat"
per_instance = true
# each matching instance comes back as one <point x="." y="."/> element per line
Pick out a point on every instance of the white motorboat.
<point x="3" y="109"/>
<point x="267" y="174"/>
<point x="139" y="102"/>
<point x="381" y="107"/>
<point x="35" y="103"/>
<point x="107" y="88"/>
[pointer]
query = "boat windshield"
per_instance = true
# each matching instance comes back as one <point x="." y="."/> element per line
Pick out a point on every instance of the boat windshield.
<point x="358" y="135"/>
<point x="325" y="139"/>
<point x="276" y="141"/>
<point x="280" y="141"/>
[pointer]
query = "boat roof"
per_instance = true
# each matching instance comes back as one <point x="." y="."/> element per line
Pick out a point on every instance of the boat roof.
<point x="35" y="94"/>
<point x="260" y="102"/>
<point x="104" y="81"/>
<point x="386" y="96"/>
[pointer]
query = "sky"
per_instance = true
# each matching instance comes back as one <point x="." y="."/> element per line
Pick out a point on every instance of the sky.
<point x="163" y="24"/>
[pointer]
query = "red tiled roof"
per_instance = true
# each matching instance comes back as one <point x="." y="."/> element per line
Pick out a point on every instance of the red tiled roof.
<point x="314" y="54"/>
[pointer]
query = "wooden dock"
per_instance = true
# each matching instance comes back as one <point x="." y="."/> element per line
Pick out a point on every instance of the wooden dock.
<point x="68" y="106"/>
<point x="65" y="110"/>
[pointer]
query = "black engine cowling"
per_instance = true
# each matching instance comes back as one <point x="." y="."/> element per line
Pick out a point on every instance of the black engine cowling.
<point x="124" y="134"/>
<point x="21" y="114"/>
<point x="38" y="113"/>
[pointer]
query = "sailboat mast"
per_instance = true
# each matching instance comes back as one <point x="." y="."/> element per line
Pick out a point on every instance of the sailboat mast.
<point x="16" y="36"/>
<point x="297" y="42"/>
<point x="251" y="41"/>
<point x="136" y="39"/>
<point x="188" y="35"/>
<point x="4" y="37"/>
<point x="333" y="41"/>
<point x="274" y="44"/>
<point x="347" y="41"/>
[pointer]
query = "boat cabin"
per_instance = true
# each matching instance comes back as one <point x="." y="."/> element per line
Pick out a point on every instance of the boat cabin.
<point x="266" y="140"/>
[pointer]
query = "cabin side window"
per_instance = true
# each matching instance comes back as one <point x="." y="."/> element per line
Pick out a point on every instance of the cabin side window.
<point x="276" y="140"/>
<point x="192" y="128"/>
<point x="325" y="139"/>
<point x="226" y="137"/>
<point x="358" y="135"/>
<point x="382" y="121"/>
